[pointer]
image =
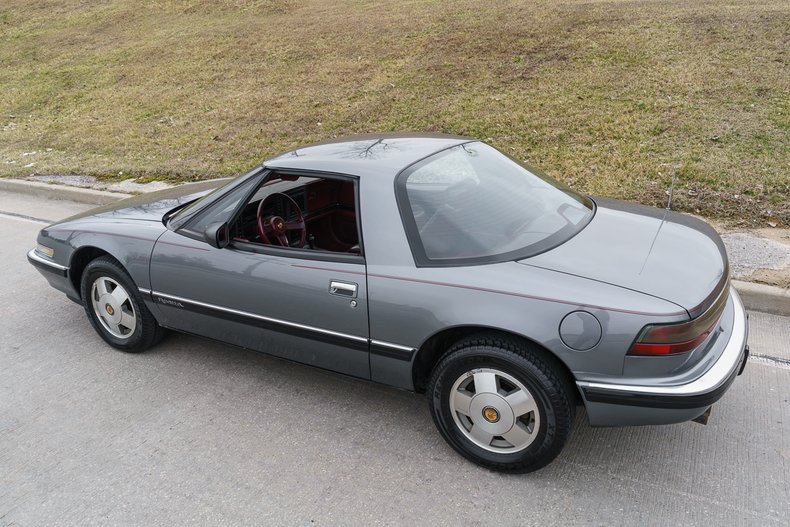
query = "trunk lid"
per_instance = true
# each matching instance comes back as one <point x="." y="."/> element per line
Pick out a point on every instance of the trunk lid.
<point x="660" y="253"/>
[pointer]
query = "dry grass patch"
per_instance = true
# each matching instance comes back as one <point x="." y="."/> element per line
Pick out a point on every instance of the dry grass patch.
<point x="598" y="93"/>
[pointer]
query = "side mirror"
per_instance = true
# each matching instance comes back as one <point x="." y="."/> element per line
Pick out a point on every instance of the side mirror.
<point x="217" y="235"/>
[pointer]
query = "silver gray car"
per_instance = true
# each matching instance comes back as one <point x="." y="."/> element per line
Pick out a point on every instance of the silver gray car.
<point x="430" y="263"/>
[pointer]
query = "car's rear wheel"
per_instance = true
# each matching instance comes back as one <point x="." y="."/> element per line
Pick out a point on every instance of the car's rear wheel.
<point x="501" y="403"/>
<point x="115" y="308"/>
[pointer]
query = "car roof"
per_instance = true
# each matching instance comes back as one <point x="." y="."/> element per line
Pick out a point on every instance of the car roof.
<point x="365" y="155"/>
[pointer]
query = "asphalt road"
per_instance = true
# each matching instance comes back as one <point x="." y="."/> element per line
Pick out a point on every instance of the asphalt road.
<point x="193" y="432"/>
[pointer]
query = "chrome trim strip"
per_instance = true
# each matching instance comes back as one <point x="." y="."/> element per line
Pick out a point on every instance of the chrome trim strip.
<point x="144" y="290"/>
<point x="33" y="255"/>
<point x="708" y="381"/>
<point x="405" y="349"/>
<point x="263" y="318"/>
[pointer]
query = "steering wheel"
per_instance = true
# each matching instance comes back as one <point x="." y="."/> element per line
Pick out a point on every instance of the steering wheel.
<point x="274" y="227"/>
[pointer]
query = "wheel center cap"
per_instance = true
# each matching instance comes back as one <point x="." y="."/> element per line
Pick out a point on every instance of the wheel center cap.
<point x="490" y="414"/>
<point x="108" y="308"/>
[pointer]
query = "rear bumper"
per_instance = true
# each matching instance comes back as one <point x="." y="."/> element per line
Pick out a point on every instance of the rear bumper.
<point x="611" y="404"/>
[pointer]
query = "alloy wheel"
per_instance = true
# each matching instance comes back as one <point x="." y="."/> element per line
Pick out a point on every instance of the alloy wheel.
<point x="494" y="410"/>
<point x="113" y="307"/>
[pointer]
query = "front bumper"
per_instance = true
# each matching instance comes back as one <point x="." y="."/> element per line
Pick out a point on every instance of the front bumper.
<point x="44" y="264"/>
<point x="57" y="275"/>
<point x="610" y="404"/>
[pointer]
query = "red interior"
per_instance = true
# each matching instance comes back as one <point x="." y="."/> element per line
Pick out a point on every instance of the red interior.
<point x="329" y="213"/>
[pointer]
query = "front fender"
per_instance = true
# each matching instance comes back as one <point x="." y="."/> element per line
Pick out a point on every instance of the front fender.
<point x="129" y="242"/>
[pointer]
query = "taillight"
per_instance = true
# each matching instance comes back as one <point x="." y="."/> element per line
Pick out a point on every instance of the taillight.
<point x="671" y="339"/>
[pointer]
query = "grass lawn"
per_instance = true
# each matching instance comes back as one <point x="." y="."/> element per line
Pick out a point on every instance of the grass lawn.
<point x="600" y="94"/>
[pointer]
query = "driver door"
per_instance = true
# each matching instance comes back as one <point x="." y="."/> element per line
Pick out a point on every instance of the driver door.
<point x="300" y="304"/>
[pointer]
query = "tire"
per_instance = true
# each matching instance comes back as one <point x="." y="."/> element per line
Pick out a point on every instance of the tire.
<point x="115" y="308"/>
<point x="502" y="403"/>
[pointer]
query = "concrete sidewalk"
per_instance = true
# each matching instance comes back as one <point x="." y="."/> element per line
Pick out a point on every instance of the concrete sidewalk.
<point x="759" y="258"/>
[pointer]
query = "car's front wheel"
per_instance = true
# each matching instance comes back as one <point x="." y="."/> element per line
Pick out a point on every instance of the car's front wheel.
<point x="115" y="308"/>
<point x="501" y="403"/>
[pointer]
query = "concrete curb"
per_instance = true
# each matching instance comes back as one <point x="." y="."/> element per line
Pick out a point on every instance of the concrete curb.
<point x="46" y="190"/>
<point x="765" y="298"/>
<point x="757" y="297"/>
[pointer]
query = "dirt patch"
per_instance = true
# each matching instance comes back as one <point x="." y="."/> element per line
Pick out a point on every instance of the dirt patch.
<point x="779" y="278"/>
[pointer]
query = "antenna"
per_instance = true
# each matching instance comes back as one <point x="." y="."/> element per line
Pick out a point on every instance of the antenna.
<point x="674" y="176"/>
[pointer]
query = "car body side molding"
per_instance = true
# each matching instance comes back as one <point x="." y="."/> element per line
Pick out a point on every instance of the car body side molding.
<point x="387" y="349"/>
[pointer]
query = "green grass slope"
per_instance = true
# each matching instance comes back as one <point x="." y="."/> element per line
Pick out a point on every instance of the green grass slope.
<point x="599" y="94"/>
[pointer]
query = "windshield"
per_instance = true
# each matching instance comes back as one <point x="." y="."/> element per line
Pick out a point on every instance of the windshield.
<point x="471" y="203"/>
<point x="182" y="215"/>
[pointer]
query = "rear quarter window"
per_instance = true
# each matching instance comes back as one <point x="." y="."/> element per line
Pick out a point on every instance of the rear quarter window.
<point x="472" y="204"/>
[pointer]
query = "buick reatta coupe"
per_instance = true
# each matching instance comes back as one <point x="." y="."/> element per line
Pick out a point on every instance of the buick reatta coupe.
<point x="430" y="263"/>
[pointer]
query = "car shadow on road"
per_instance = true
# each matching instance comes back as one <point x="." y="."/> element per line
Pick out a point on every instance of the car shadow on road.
<point x="402" y="418"/>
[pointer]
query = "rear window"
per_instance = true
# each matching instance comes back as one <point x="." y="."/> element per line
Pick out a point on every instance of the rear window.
<point x="473" y="204"/>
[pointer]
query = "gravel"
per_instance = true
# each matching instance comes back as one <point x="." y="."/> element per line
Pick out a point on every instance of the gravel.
<point x="748" y="253"/>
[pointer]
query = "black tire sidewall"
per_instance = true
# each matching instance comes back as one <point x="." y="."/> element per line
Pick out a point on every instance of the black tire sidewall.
<point x="549" y="439"/>
<point x="108" y="268"/>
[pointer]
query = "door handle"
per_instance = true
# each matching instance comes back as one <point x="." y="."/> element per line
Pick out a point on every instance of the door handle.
<point x="347" y="289"/>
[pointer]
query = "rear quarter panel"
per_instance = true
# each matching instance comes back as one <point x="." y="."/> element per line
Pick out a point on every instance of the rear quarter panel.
<point x="408" y="305"/>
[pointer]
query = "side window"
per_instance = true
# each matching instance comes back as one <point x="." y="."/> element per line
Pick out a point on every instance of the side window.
<point x="221" y="210"/>
<point x="312" y="213"/>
